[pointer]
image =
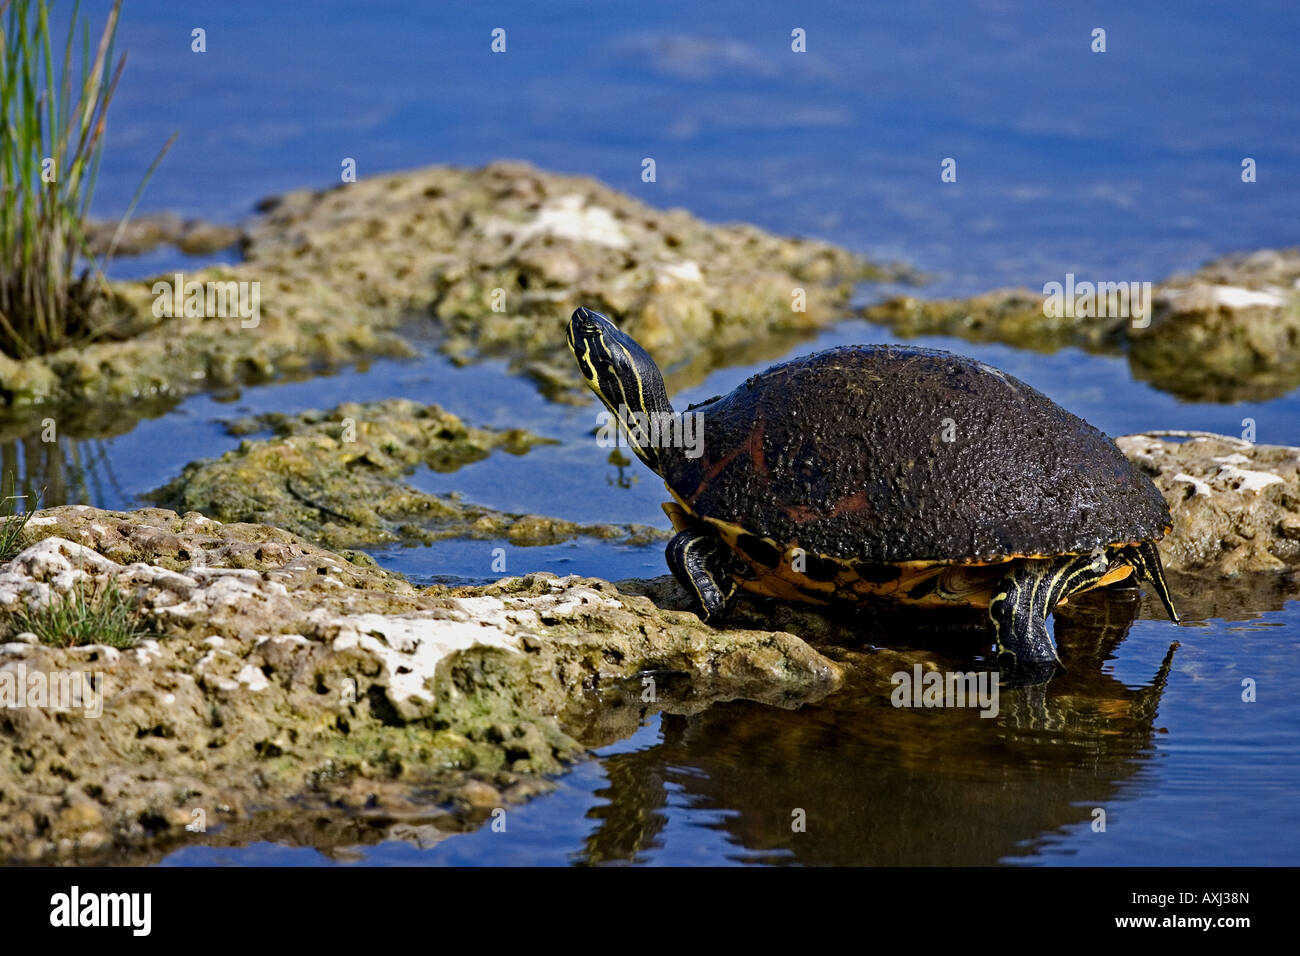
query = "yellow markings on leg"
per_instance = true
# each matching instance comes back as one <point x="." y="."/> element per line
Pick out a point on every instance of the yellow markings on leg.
<point x="686" y="550"/>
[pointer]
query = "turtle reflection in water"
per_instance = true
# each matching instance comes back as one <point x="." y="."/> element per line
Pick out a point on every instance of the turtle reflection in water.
<point x="881" y="785"/>
<point x="887" y="473"/>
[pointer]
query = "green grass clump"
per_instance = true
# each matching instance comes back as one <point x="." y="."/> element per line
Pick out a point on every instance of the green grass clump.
<point x="12" y="524"/>
<point x="51" y="140"/>
<point x="98" y="614"/>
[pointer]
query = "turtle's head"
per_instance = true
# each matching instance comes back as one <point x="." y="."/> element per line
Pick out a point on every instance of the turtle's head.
<point x="621" y="373"/>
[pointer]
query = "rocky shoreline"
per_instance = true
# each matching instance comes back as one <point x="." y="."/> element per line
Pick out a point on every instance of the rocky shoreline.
<point x="278" y="671"/>
<point x="496" y="257"/>
<point x="280" y="674"/>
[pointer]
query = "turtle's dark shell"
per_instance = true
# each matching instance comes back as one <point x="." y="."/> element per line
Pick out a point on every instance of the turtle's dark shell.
<point x="844" y="453"/>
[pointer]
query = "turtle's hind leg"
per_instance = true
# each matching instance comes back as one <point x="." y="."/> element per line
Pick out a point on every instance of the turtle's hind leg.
<point x="1147" y="567"/>
<point x="1027" y="595"/>
<point x="702" y="562"/>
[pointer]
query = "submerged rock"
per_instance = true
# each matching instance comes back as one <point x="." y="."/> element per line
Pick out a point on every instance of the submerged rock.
<point x="1235" y="505"/>
<point x="338" y="479"/>
<point x="1229" y="332"/>
<point x="281" y="673"/>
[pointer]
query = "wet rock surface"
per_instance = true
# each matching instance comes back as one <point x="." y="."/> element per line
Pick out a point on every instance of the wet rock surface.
<point x="280" y="674"/>
<point x="497" y="256"/>
<point x="1228" y="332"/>
<point x="338" y="479"/>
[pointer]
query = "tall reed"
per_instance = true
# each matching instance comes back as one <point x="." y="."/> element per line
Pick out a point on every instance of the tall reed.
<point x="52" y="287"/>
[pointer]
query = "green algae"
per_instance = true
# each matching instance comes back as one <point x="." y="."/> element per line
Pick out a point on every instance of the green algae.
<point x="338" y="479"/>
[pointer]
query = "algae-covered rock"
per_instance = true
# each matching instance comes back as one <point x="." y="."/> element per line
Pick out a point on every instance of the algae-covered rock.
<point x="280" y="673"/>
<point x="337" y="478"/>
<point x="1235" y="505"/>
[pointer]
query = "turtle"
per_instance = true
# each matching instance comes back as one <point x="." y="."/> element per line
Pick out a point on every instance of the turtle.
<point x="885" y="474"/>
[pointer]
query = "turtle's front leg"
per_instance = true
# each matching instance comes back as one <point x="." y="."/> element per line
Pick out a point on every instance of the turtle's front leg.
<point x="1027" y="595"/>
<point x="702" y="562"/>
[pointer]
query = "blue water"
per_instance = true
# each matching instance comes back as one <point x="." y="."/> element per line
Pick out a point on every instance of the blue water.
<point x="1115" y="165"/>
<point x="1123" y="165"/>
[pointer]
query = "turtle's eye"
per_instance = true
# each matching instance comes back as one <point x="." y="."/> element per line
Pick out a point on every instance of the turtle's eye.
<point x="584" y="320"/>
